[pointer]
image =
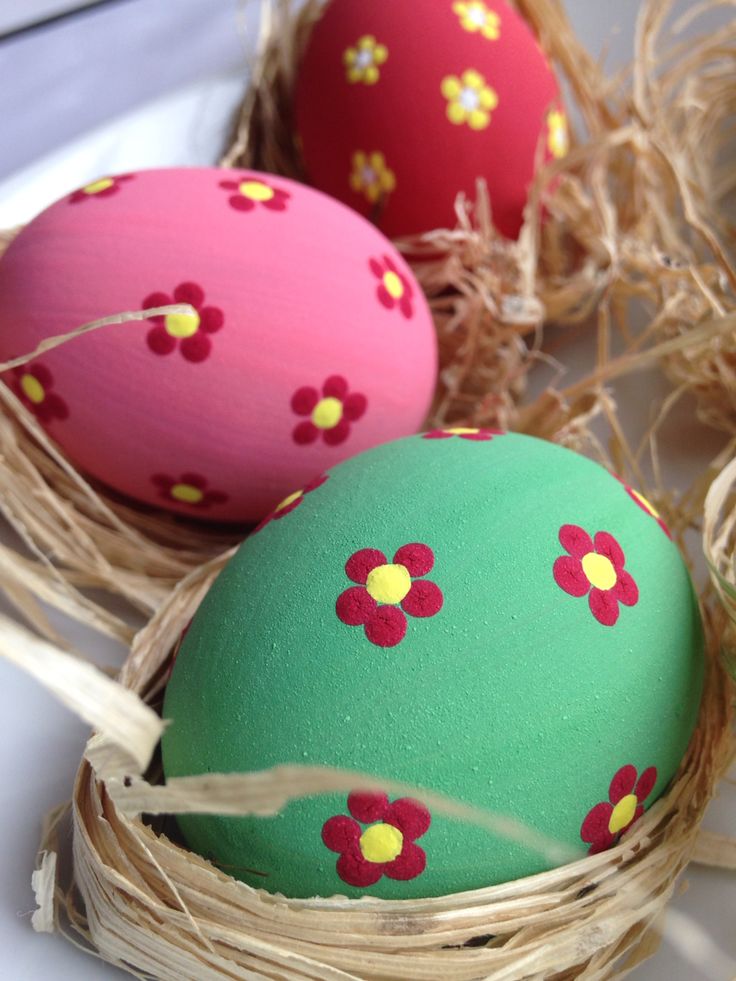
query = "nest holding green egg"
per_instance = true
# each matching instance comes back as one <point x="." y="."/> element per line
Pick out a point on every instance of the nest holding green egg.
<point x="638" y="218"/>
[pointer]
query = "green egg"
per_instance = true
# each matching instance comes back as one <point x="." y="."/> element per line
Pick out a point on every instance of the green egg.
<point x="483" y="614"/>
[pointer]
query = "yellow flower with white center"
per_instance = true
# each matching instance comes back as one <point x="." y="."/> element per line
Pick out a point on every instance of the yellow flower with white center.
<point x="363" y="61"/>
<point x="371" y="176"/>
<point x="476" y="17"/>
<point x="558" y="140"/>
<point x="470" y="100"/>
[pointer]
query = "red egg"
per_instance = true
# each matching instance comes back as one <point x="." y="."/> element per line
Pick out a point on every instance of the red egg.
<point x="400" y="106"/>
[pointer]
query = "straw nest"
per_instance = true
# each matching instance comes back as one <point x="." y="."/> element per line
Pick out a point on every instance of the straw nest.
<point x="637" y="220"/>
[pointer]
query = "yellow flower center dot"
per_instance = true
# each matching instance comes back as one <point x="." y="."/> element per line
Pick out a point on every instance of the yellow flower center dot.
<point x="32" y="389"/>
<point x="462" y="431"/>
<point x="96" y="186"/>
<point x="327" y="413"/>
<point x="599" y="570"/>
<point x="642" y="500"/>
<point x="289" y="500"/>
<point x="182" y="324"/>
<point x="381" y="843"/>
<point x="256" y="191"/>
<point x="623" y="813"/>
<point x="393" y="284"/>
<point x="388" y="583"/>
<point x="187" y="493"/>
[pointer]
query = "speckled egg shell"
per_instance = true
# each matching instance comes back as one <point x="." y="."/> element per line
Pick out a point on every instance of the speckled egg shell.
<point x="487" y="615"/>
<point x="312" y="340"/>
<point x="400" y="106"/>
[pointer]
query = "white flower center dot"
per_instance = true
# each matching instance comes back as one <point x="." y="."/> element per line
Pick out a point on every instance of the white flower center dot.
<point x="469" y="99"/>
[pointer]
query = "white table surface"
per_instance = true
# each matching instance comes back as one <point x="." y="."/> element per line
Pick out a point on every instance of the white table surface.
<point x="43" y="742"/>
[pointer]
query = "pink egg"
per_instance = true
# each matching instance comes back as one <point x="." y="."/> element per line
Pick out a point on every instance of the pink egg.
<point x="311" y="340"/>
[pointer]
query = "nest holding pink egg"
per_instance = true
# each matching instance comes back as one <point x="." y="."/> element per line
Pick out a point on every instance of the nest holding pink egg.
<point x="631" y="210"/>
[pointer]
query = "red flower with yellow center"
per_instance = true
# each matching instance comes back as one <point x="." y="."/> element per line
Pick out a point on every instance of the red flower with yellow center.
<point x="291" y="502"/>
<point x="187" y="331"/>
<point x="32" y="384"/>
<point x="463" y="432"/>
<point x="101" y="188"/>
<point x="647" y="507"/>
<point x="394" y="289"/>
<point x="253" y="191"/>
<point x="595" y="567"/>
<point x="387" y="591"/>
<point x="330" y="414"/>
<point x="386" y="847"/>
<point x="190" y="489"/>
<point x="605" y="823"/>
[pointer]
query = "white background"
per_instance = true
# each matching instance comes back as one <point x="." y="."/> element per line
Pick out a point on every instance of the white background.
<point x="190" y="54"/>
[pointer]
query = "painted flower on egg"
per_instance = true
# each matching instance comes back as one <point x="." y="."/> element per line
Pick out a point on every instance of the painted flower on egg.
<point x="394" y="289"/>
<point x="476" y="17"/>
<point x="101" y="188"/>
<point x="386" y="847"/>
<point x="371" y="176"/>
<point x="647" y="507"/>
<point x="291" y="502"/>
<point x="386" y="591"/>
<point x="594" y="567"/>
<point x="469" y="99"/>
<point x="251" y="192"/>
<point x="362" y="63"/>
<point x="32" y="384"/>
<point x="464" y="432"/>
<point x="330" y="414"/>
<point x="190" y="489"/>
<point x="187" y="331"/>
<point x="605" y="823"/>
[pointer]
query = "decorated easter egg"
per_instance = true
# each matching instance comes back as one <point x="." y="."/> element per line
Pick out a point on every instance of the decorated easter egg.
<point x="307" y="338"/>
<point x="488" y="616"/>
<point x="401" y="106"/>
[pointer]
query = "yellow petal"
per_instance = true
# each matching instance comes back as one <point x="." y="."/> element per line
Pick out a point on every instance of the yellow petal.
<point x="388" y="180"/>
<point x="367" y="41"/>
<point x="491" y="31"/>
<point x="473" y="79"/>
<point x="359" y="160"/>
<point x="371" y="75"/>
<point x="354" y="74"/>
<point x="380" y="54"/>
<point x="355" y="182"/>
<point x="459" y="8"/>
<point x="372" y="192"/>
<point x="478" y="119"/>
<point x="488" y="98"/>
<point x="377" y="161"/>
<point x="456" y="114"/>
<point x="350" y="55"/>
<point x="451" y="87"/>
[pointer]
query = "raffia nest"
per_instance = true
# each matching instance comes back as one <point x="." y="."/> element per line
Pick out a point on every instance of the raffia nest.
<point x="636" y="216"/>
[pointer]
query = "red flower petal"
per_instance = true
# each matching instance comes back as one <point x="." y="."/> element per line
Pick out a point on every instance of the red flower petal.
<point x="595" y="825"/>
<point x="390" y="266"/>
<point x="410" y="816"/>
<point x="340" y="832"/>
<point x="213" y="497"/>
<point x="436" y="434"/>
<point x="645" y="783"/>
<point x="277" y="202"/>
<point x="229" y="185"/>
<point x="424" y="599"/>
<point x="405" y="302"/>
<point x="376" y="268"/>
<point x="314" y="484"/>
<point x="386" y="627"/>
<point x="607" y="545"/>
<point x="355" y="607"/>
<point x="568" y="574"/>
<point x="241" y="203"/>
<point x="604" y="606"/>
<point x="57" y="407"/>
<point x="418" y="558"/>
<point x="160" y="341"/>
<point x="163" y="481"/>
<point x="156" y="300"/>
<point x="575" y="540"/>
<point x="408" y="865"/>
<point x="190" y="293"/>
<point x="335" y="387"/>
<point x="38" y="371"/>
<point x="385" y="297"/>
<point x="195" y="479"/>
<point x="362" y="562"/>
<point x="337" y="434"/>
<point x="196" y="348"/>
<point x="622" y="784"/>
<point x="354" y="870"/>
<point x="354" y="406"/>
<point x="306" y="432"/>
<point x="626" y="591"/>
<point x="304" y="400"/>
<point x="211" y="319"/>
<point x="368" y="805"/>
